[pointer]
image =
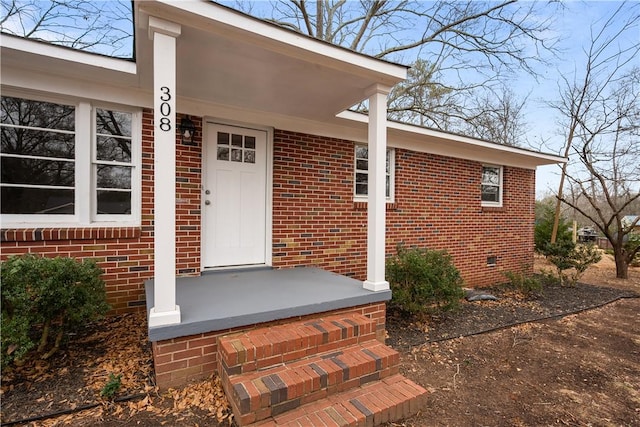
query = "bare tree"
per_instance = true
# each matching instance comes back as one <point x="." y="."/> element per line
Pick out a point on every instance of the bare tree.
<point x="456" y="48"/>
<point x="104" y="27"/>
<point x="602" y="118"/>
<point x="498" y="117"/>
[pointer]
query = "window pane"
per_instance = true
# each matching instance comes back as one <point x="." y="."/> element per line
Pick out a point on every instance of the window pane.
<point x="113" y="122"/>
<point x="46" y="115"/>
<point x="16" y="200"/>
<point x="362" y="189"/>
<point x="388" y="187"/>
<point x="490" y="193"/>
<point x="362" y="152"/>
<point x="362" y="165"/>
<point x="491" y="175"/>
<point x="114" y="177"/>
<point x="114" y="202"/>
<point x="249" y="142"/>
<point x="29" y="142"/>
<point x="113" y="149"/>
<point x="16" y="170"/>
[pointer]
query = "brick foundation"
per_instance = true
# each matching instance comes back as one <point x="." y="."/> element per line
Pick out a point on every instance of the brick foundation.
<point x="195" y="357"/>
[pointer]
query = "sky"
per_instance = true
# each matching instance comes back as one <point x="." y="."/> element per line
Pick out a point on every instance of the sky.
<point x="572" y="28"/>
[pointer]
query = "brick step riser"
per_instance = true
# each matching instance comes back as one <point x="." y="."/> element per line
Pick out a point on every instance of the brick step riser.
<point x="266" y="410"/>
<point x="389" y="400"/>
<point x="287" y="387"/>
<point x="262" y="348"/>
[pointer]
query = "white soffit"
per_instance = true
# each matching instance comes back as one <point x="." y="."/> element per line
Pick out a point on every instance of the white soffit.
<point x="229" y="58"/>
<point x="432" y="141"/>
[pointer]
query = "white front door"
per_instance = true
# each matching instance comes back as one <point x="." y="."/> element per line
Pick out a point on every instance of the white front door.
<point x="235" y="194"/>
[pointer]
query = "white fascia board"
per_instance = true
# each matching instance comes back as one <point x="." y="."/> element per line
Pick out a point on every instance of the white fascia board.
<point x="67" y="54"/>
<point x="408" y="136"/>
<point x="248" y="26"/>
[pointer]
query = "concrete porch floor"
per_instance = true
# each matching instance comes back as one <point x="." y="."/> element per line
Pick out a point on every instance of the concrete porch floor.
<point x="222" y="300"/>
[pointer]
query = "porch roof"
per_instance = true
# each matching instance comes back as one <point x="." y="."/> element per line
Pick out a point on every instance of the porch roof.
<point x="227" y="58"/>
<point x="221" y="300"/>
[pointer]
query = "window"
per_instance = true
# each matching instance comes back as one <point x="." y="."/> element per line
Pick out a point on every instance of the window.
<point x="491" y="185"/>
<point x="113" y="164"/>
<point x="362" y="173"/>
<point x="38" y="157"/>
<point x="54" y="155"/>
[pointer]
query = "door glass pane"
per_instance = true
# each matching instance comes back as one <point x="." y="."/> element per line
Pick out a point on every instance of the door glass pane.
<point x="223" y="138"/>
<point x="250" y="142"/>
<point x="236" y="155"/>
<point x="236" y="140"/>
<point x="223" y="153"/>
<point x="249" y="156"/>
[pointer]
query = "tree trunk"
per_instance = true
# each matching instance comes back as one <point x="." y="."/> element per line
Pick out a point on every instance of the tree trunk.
<point x="622" y="267"/>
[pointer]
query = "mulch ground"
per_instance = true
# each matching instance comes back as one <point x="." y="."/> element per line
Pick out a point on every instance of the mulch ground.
<point x="510" y="309"/>
<point x="65" y="390"/>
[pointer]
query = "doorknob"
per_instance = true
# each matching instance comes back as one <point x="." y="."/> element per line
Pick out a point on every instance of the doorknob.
<point x="207" y="192"/>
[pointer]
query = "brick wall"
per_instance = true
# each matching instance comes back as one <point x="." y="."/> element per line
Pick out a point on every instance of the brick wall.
<point x="315" y="220"/>
<point x="195" y="357"/>
<point x="437" y="205"/>
<point x="126" y="254"/>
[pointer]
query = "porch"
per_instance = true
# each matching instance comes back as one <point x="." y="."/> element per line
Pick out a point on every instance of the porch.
<point x="224" y="300"/>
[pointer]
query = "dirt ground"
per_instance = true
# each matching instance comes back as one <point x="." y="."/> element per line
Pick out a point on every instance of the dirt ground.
<point x="579" y="369"/>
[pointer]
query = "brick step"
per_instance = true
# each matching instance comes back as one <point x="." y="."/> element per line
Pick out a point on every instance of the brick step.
<point x="261" y="394"/>
<point x="261" y="348"/>
<point x="373" y="404"/>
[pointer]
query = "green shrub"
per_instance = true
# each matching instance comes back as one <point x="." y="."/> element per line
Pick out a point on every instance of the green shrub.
<point x="112" y="386"/>
<point x="567" y="255"/>
<point x="527" y="286"/>
<point x="423" y="281"/>
<point x="544" y="227"/>
<point x="43" y="297"/>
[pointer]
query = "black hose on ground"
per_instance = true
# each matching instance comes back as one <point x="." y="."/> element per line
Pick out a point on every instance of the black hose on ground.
<point x="538" y="319"/>
<point x="72" y="411"/>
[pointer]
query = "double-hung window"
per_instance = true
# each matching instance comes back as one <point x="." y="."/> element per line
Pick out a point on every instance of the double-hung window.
<point x="69" y="164"/>
<point x="491" y="187"/>
<point x="362" y="173"/>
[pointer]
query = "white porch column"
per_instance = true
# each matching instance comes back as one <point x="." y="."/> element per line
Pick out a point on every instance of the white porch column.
<point x="164" y="33"/>
<point x="376" y="210"/>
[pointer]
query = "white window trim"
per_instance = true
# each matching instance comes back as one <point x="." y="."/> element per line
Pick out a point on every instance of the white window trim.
<point x="85" y="194"/>
<point x="392" y="176"/>
<point x="497" y="204"/>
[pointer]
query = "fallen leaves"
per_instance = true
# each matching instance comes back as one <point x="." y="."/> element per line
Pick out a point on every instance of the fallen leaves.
<point x="73" y="379"/>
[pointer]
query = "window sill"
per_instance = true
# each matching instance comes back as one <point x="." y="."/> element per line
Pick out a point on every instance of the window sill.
<point x="68" y="233"/>
<point x="495" y="208"/>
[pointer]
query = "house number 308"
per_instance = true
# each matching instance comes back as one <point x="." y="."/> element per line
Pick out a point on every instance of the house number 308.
<point x="165" y="109"/>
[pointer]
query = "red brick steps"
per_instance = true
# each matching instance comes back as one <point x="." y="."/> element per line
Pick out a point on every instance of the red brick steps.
<point x="331" y="367"/>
